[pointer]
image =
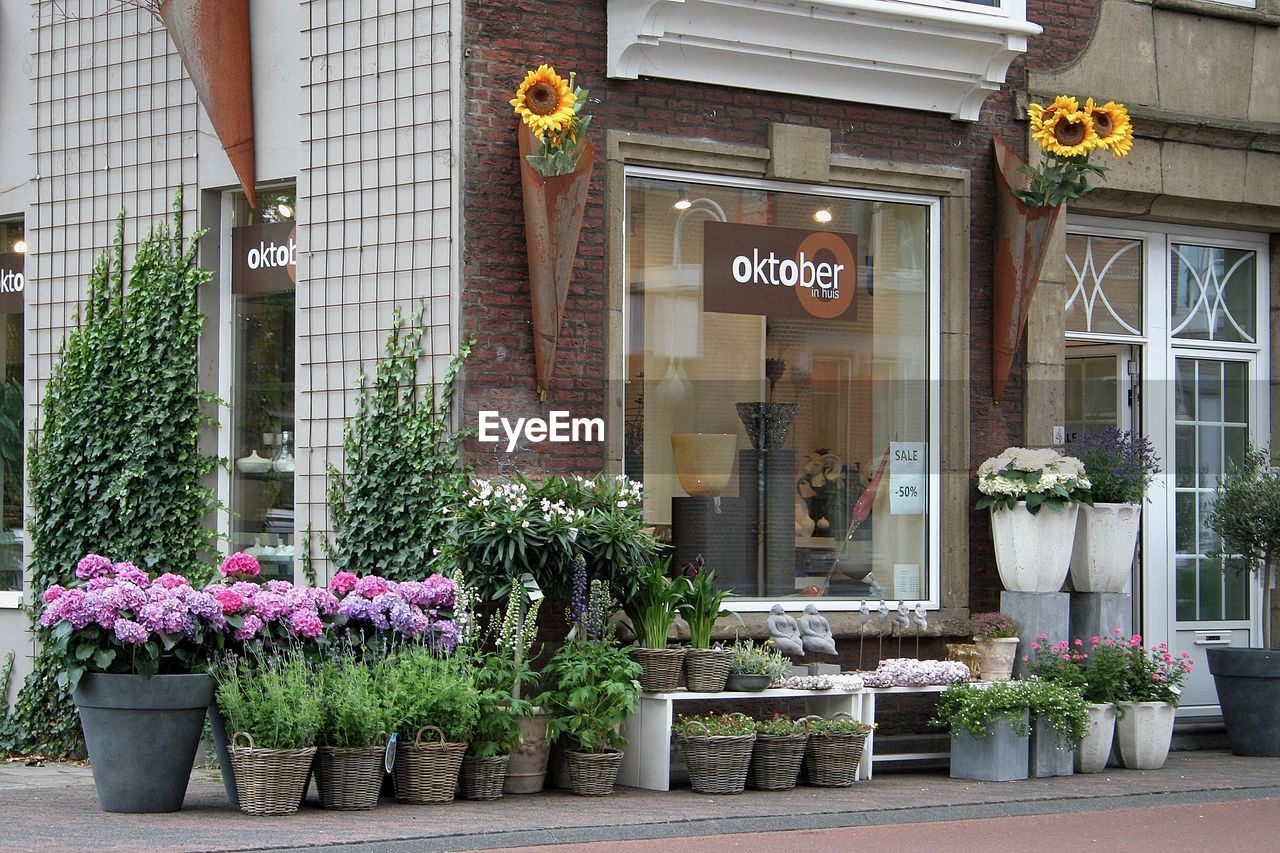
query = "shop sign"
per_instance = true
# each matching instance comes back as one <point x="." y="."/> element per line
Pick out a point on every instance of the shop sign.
<point x="13" y="282"/>
<point x="787" y="273"/>
<point x="264" y="258"/>
<point x="907" y="461"/>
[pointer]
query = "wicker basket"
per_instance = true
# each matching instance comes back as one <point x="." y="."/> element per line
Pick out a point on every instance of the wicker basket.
<point x="269" y="781"/>
<point x="427" y="773"/>
<point x="775" y="761"/>
<point x="662" y="668"/>
<point x="592" y="774"/>
<point x="831" y="761"/>
<point x="717" y="764"/>
<point x="706" y="670"/>
<point x="349" y="778"/>
<point x="483" y="778"/>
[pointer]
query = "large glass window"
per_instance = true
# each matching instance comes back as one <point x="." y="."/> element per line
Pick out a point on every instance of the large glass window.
<point x="13" y="249"/>
<point x="778" y="355"/>
<point x="263" y="301"/>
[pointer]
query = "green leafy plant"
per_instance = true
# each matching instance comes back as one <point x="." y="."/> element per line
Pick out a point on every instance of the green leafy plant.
<point x="653" y="603"/>
<point x="778" y="726"/>
<point x="1120" y="464"/>
<point x="838" y="726"/>
<point x="965" y="707"/>
<point x="497" y="729"/>
<point x="354" y="709"/>
<point x="117" y="468"/>
<point x="277" y="700"/>
<point x="1246" y="515"/>
<point x="1057" y="663"/>
<point x="402" y="468"/>
<point x="764" y="659"/>
<point x="701" y="605"/>
<point x="1106" y="671"/>
<point x="1062" y="706"/>
<point x="714" y="725"/>
<point x="424" y="690"/>
<point x="594" y="689"/>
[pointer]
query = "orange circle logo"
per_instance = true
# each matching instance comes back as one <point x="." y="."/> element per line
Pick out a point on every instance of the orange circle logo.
<point x="827" y="286"/>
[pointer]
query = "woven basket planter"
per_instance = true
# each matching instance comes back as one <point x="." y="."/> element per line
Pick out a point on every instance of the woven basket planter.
<point x="662" y="668"/>
<point x="349" y="778"/>
<point x="775" y="761"/>
<point x="831" y="761"/>
<point x="427" y="773"/>
<point x="269" y="781"/>
<point x="717" y="764"/>
<point x="706" y="670"/>
<point x="592" y="774"/>
<point x="483" y="778"/>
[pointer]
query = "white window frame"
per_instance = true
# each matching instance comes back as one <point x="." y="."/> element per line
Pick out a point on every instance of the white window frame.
<point x="933" y="204"/>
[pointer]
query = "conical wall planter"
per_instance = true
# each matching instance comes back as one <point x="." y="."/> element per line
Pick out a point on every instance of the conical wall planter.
<point x="1022" y="235"/>
<point x="553" y="210"/>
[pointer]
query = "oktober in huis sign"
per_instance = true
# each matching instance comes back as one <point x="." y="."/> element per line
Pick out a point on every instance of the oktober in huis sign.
<point x="779" y="272"/>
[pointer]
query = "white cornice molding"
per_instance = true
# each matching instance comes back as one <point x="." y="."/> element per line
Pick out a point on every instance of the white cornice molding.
<point x="934" y="57"/>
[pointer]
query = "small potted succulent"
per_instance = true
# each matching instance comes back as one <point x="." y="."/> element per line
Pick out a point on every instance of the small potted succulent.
<point x="717" y="751"/>
<point x="833" y="750"/>
<point x="777" y="753"/>
<point x="754" y="667"/>
<point x="652" y="607"/>
<point x="996" y="636"/>
<point x="706" y="666"/>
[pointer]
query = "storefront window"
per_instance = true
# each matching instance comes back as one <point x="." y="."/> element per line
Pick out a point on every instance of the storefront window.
<point x="263" y="301"/>
<point x="779" y="350"/>
<point x="12" y="294"/>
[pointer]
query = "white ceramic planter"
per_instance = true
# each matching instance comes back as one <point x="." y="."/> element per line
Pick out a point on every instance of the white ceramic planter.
<point x="1102" y="556"/>
<point x="996" y="657"/>
<point x="1144" y="731"/>
<point x="1033" y="552"/>
<point x="1095" y="746"/>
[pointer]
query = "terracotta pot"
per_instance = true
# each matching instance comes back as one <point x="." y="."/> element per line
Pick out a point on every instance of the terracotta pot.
<point x="704" y="461"/>
<point x="996" y="657"/>
<point x="527" y="768"/>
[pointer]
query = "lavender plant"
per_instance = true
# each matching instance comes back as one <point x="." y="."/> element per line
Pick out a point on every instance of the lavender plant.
<point x="1119" y="464"/>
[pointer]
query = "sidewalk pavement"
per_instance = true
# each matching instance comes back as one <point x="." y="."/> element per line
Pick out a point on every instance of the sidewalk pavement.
<point x="54" y="808"/>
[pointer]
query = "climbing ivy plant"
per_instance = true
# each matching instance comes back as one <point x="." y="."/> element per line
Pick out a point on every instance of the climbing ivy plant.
<point x="403" y="467"/>
<point x="117" y="469"/>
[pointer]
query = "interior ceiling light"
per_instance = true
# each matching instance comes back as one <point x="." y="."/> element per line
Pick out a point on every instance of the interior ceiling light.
<point x="284" y="210"/>
<point x="20" y="246"/>
<point x="822" y="215"/>
<point x="683" y="202"/>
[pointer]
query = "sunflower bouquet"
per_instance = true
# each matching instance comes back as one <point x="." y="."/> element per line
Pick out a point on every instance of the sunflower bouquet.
<point x="1068" y="134"/>
<point x="551" y="107"/>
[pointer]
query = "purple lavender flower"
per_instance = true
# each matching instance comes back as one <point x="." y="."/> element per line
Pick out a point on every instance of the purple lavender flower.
<point x="93" y="566"/>
<point x="128" y="631"/>
<point x="1119" y="464"/>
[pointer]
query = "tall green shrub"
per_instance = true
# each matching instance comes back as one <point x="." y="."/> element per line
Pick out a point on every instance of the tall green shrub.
<point x="402" y="467"/>
<point x="117" y="469"/>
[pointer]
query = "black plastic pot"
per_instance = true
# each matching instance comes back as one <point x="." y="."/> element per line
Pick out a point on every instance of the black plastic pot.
<point x="142" y="734"/>
<point x="1248" y="682"/>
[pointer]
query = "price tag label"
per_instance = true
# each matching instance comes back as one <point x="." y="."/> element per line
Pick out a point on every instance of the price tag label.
<point x="908" y="469"/>
<point x="531" y="587"/>
<point x="389" y="757"/>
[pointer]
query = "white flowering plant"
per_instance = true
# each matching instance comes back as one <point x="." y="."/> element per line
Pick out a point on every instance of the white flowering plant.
<point x="1038" y="476"/>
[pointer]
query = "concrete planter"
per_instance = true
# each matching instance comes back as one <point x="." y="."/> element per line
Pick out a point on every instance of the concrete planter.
<point x="142" y="735"/>
<point x="1050" y="753"/>
<point x="1033" y="552"/>
<point x="996" y="657"/>
<point x="527" y="768"/>
<point x="1095" y="746"/>
<point x="1248" y="682"/>
<point x="1102" y="555"/>
<point x="1001" y="756"/>
<point x="1144" y="731"/>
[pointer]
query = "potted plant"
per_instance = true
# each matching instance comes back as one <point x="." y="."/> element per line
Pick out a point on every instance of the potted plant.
<point x="1099" y="673"/>
<point x="754" y="667"/>
<point x="1059" y="720"/>
<point x="1120" y="466"/>
<point x="833" y="750"/>
<point x="777" y="753"/>
<point x="353" y="733"/>
<point x="651" y="608"/>
<point x="1144" y="717"/>
<point x="593" y="688"/>
<point x="990" y="730"/>
<point x="510" y="670"/>
<point x="717" y="750"/>
<point x="706" y="667"/>
<point x="1246" y="515"/>
<point x="497" y="732"/>
<point x="133" y="652"/>
<point x="1034" y="498"/>
<point x="433" y="707"/>
<point x="996" y="636"/>
<point x="273" y="707"/>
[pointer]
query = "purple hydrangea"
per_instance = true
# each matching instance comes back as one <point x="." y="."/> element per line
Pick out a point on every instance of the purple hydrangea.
<point x="93" y="566"/>
<point x="371" y="586"/>
<point x="445" y="635"/>
<point x="133" y="574"/>
<point x="440" y="592"/>
<point x="252" y="625"/>
<point x="128" y="631"/>
<point x="166" y="615"/>
<point x="305" y="623"/>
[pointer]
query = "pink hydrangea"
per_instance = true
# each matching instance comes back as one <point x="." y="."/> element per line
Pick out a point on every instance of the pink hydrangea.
<point x="343" y="583"/>
<point x="232" y="601"/>
<point x="240" y="564"/>
<point x="128" y="631"/>
<point x="93" y="566"/>
<point x="169" y="580"/>
<point x="252" y="625"/>
<point x="306" y="623"/>
<point x="52" y="593"/>
<point x="371" y="586"/>
<point x="131" y="573"/>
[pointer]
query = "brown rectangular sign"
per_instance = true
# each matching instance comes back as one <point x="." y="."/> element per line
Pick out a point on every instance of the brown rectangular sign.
<point x="13" y="282"/>
<point x="779" y="272"/>
<point x="264" y="258"/>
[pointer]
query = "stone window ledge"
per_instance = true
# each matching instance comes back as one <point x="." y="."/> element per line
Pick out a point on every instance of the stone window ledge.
<point x="10" y="599"/>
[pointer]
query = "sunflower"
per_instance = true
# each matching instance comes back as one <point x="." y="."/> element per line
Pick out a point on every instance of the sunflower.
<point x="1041" y="115"/>
<point x="545" y="101"/>
<point x="1111" y="124"/>
<point x="1068" y="134"/>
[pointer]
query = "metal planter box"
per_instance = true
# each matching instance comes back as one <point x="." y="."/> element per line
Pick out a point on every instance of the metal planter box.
<point x="1001" y="756"/>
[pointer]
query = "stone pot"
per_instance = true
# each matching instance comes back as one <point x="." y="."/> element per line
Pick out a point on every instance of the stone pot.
<point x="222" y="746"/>
<point x="527" y="768"/>
<point x="1144" y="731"/>
<point x="142" y="735"/>
<point x="747" y="682"/>
<point x="1095" y="746"/>
<point x="996" y="657"/>
<point x="1051" y="753"/>
<point x="1001" y="756"/>
<point x="1102" y="555"/>
<point x="1033" y="551"/>
<point x="704" y="461"/>
<point x="1248" y="682"/>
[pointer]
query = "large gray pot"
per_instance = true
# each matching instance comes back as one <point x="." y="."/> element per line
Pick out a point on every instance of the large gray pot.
<point x="142" y="735"/>
<point x="1001" y="756"/>
<point x="1248" y="682"/>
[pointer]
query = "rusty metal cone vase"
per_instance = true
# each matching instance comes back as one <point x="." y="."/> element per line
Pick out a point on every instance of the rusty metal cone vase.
<point x="1021" y="241"/>
<point x="553" y="210"/>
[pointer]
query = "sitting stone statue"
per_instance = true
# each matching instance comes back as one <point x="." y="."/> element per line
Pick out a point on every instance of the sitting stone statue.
<point x="784" y="632"/>
<point x="815" y="631"/>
